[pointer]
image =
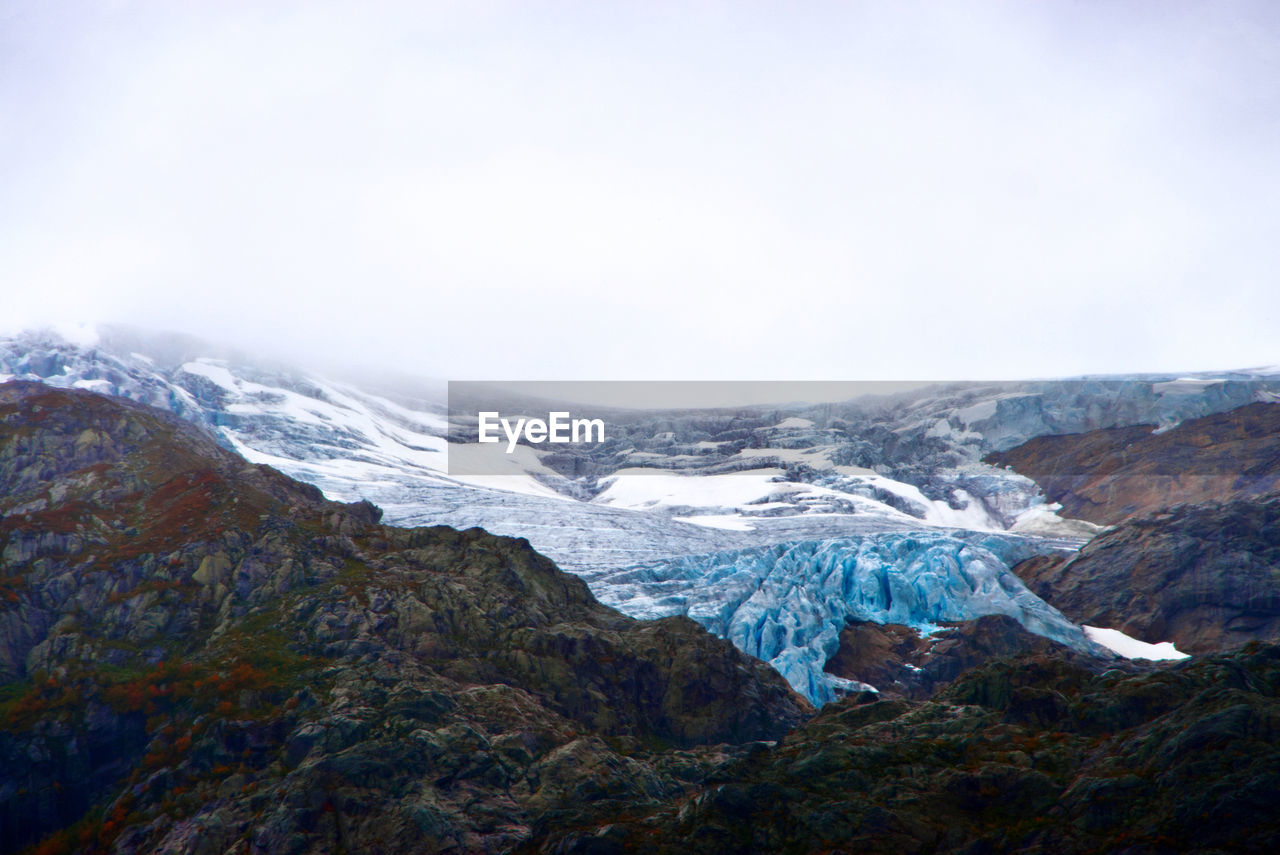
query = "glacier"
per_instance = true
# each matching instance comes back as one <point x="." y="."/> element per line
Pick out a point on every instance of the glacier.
<point x="770" y="525"/>
<point x="787" y="603"/>
<point x="676" y="483"/>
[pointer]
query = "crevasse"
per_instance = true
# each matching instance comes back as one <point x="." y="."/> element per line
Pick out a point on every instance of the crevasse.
<point x="786" y="604"/>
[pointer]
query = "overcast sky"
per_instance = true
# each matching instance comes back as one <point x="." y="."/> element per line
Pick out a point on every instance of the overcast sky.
<point x="644" y="190"/>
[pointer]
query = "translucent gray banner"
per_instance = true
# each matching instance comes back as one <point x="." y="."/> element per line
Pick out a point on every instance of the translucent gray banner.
<point x="576" y="429"/>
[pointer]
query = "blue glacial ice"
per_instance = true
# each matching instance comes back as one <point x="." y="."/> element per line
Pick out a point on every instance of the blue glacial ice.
<point x="786" y="604"/>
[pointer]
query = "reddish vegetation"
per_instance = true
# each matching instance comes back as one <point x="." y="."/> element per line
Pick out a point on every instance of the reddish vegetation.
<point x="123" y="506"/>
<point x="185" y="497"/>
<point x="161" y="688"/>
<point x="46" y="696"/>
<point x="192" y="505"/>
<point x="63" y="519"/>
<point x="10" y="586"/>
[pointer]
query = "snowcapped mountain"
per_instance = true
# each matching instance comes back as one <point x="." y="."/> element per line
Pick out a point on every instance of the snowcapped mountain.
<point x="770" y="525"/>
<point x="389" y="447"/>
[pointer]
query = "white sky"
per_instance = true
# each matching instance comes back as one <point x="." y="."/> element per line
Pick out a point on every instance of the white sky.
<point x="621" y="190"/>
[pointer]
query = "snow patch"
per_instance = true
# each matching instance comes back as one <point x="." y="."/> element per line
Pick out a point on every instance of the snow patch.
<point x="818" y="458"/>
<point x="216" y="374"/>
<point x="941" y="428"/>
<point x="637" y="487"/>
<point x="727" y="522"/>
<point x="1044" y="521"/>
<point x="1185" y="385"/>
<point x="845" y="686"/>
<point x="977" y="412"/>
<point x="1132" y="648"/>
<point x="972" y="515"/>
<point x="520" y="467"/>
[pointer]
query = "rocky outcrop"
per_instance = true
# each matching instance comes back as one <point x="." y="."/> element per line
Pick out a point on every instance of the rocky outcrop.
<point x="1206" y="577"/>
<point x="1034" y="756"/>
<point x="901" y="662"/>
<point x="201" y="655"/>
<point x="1106" y="476"/>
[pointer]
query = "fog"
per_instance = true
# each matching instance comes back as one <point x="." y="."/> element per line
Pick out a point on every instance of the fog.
<point x="647" y="190"/>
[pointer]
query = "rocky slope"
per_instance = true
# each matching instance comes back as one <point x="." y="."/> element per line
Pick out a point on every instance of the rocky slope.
<point x="1036" y="755"/>
<point x="201" y="655"/>
<point x="1205" y="576"/>
<point x="902" y="662"/>
<point x="1106" y="476"/>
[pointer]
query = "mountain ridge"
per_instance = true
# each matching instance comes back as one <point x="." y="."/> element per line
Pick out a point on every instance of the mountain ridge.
<point x="177" y="619"/>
